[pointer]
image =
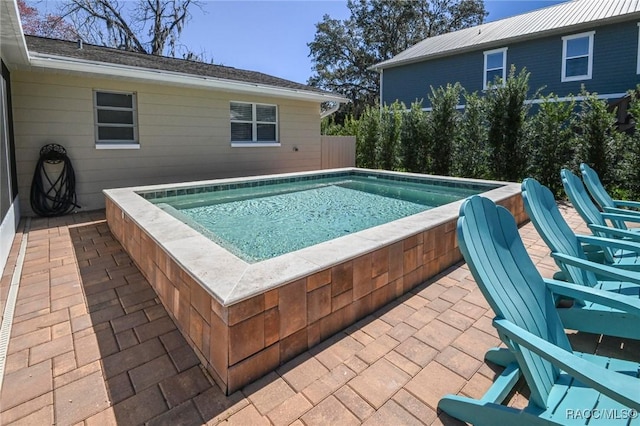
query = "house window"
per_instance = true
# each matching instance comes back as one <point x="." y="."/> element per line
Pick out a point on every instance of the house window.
<point x="495" y="66"/>
<point x="253" y="123"/>
<point x="115" y="120"/>
<point x="577" y="56"/>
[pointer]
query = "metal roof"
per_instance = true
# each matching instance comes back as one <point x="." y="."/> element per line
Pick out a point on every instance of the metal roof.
<point x="563" y="17"/>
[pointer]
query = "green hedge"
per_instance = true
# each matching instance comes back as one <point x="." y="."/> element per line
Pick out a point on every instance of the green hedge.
<point x="498" y="135"/>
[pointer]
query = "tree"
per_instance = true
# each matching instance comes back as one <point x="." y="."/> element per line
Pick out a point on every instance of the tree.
<point x="343" y="51"/>
<point x="50" y="25"/>
<point x="123" y="24"/>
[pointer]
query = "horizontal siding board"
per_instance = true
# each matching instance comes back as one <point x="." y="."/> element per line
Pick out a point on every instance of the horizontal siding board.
<point x="414" y="81"/>
<point x="184" y="135"/>
<point x="534" y="24"/>
<point x="614" y="67"/>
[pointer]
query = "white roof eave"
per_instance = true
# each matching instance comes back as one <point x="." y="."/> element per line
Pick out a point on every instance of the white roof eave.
<point x="13" y="46"/>
<point x="74" y="65"/>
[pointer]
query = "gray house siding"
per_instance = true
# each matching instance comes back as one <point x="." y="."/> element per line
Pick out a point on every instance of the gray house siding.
<point x="615" y="53"/>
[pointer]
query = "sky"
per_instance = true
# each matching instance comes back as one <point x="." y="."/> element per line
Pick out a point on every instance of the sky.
<point x="271" y="36"/>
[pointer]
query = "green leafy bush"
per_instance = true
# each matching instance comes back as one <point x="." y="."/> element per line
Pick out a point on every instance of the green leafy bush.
<point x="550" y="134"/>
<point x="388" y="152"/>
<point x="443" y="120"/>
<point x="415" y="139"/>
<point x="367" y="136"/>
<point x="597" y="139"/>
<point x="507" y="114"/>
<point x="498" y="136"/>
<point x="470" y="154"/>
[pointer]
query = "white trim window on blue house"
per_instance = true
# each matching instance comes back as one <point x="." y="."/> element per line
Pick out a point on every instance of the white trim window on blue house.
<point x="115" y="118"/>
<point x="495" y="65"/>
<point x="577" y="56"/>
<point x="253" y="124"/>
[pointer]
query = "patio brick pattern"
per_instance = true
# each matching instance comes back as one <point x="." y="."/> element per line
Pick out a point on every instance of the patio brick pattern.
<point x="92" y="344"/>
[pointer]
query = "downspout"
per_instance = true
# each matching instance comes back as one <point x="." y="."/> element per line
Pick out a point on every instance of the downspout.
<point x="330" y="110"/>
<point x="380" y="94"/>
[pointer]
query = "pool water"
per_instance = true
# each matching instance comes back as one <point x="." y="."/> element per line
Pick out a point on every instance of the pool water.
<point x="259" y="223"/>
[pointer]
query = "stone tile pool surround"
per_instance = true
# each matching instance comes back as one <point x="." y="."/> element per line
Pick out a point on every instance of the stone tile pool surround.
<point x="245" y="319"/>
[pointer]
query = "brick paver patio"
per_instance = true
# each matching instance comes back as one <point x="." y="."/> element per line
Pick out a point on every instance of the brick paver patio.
<point x="92" y="344"/>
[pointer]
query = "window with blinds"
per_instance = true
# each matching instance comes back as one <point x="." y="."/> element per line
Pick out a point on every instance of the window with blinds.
<point x="253" y="123"/>
<point x="115" y="118"/>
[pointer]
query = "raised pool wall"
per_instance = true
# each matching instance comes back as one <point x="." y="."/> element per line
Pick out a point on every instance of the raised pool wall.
<point x="266" y="313"/>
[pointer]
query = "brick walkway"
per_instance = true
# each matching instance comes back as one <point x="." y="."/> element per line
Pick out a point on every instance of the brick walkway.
<point x="92" y="344"/>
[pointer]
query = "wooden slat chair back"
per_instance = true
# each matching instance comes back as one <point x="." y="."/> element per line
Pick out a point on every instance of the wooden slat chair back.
<point x="601" y="196"/>
<point x="595" y="187"/>
<point x="581" y="201"/>
<point x="543" y="211"/>
<point x="508" y="279"/>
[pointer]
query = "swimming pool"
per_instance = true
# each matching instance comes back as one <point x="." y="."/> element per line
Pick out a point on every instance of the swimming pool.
<point x="243" y="319"/>
<point x="262" y="222"/>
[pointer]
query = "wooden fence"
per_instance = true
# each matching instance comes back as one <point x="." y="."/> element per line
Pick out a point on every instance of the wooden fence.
<point x="338" y="151"/>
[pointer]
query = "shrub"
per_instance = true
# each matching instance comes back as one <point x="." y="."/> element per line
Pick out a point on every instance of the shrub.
<point x="367" y="136"/>
<point x="470" y="155"/>
<point x="632" y="152"/>
<point x="329" y="127"/>
<point x="597" y="138"/>
<point x="414" y="139"/>
<point x="550" y="135"/>
<point x="388" y="152"/>
<point x="443" y="126"/>
<point x="507" y="113"/>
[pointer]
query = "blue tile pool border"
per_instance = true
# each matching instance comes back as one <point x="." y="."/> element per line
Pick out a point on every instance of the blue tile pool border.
<point x="167" y="193"/>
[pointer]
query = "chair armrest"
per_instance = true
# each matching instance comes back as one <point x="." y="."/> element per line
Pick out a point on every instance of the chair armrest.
<point x="616" y="210"/>
<point x="609" y="242"/>
<point x="602" y="297"/>
<point x="598" y="268"/>
<point x="627" y="203"/>
<point x="620" y="233"/>
<point x="619" y="387"/>
<point x="623" y="217"/>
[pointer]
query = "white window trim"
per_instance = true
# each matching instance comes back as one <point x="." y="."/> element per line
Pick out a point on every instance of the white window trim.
<point x="116" y="144"/>
<point x="564" y="77"/>
<point x="254" y="122"/>
<point x="254" y="144"/>
<point x="503" y="50"/>
<point x="638" y="53"/>
<point x="107" y="145"/>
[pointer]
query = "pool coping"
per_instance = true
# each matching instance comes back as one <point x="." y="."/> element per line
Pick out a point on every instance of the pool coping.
<point x="231" y="280"/>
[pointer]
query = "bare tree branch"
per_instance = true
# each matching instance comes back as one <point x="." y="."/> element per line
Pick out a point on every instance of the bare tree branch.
<point x="124" y="25"/>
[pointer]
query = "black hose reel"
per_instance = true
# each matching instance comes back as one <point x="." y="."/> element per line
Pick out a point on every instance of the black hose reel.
<point x="53" y="195"/>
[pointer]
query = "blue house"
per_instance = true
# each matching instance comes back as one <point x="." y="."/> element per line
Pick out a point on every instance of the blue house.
<point x="595" y="43"/>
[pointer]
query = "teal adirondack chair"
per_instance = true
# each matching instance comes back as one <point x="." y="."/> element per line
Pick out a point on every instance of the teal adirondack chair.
<point x="561" y="381"/>
<point x="602" y="197"/>
<point x="543" y="211"/>
<point x="593" y="217"/>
